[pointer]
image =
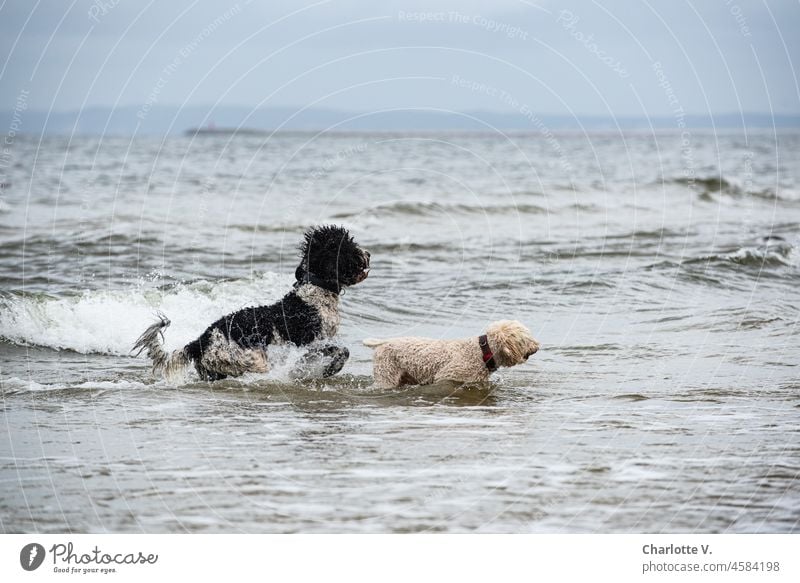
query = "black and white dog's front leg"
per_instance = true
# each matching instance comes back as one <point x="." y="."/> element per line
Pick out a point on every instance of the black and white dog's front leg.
<point x="320" y="362"/>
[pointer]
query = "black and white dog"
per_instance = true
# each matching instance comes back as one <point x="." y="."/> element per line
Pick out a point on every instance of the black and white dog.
<point x="237" y="343"/>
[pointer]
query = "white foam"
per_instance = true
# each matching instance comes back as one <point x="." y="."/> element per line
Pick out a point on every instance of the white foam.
<point x="782" y="253"/>
<point x="110" y="321"/>
<point x="17" y="384"/>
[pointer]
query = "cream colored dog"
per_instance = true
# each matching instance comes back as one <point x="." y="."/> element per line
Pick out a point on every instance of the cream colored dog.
<point x="422" y="361"/>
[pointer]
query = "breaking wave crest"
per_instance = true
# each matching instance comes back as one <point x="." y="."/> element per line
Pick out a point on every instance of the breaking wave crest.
<point x="109" y="321"/>
<point x="711" y="187"/>
<point x="771" y="254"/>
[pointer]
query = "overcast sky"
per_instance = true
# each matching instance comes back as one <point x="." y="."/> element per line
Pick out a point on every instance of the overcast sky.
<point x="573" y="57"/>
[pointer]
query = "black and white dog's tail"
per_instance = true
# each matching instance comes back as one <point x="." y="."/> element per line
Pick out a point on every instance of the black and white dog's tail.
<point x="170" y="365"/>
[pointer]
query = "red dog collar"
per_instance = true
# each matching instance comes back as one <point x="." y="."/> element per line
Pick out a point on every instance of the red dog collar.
<point x="488" y="355"/>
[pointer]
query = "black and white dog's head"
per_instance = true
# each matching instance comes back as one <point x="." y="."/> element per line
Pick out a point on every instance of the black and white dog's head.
<point x="329" y="254"/>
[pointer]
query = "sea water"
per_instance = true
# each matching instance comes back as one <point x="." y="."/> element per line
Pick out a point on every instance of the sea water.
<point x="661" y="279"/>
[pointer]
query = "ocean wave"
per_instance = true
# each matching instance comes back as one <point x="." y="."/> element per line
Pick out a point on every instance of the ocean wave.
<point x="772" y="254"/>
<point x="724" y="269"/>
<point x="409" y="247"/>
<point x="14" y="385"/>
<point x="431" y="209"/>
<point x="79" y="242"/>
<point x="659" y="234"/>
<point x="710" y="187"/>
<point x="279" y="227"/>
<point x="109" y="321"/>
<point x="782" y="195"/>
<point x="708" y="183"/>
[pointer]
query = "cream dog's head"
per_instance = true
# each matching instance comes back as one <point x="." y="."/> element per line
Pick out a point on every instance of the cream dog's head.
<point x="511" y="342"/>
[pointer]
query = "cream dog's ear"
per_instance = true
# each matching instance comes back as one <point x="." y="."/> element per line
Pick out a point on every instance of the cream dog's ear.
<point x="515" y="350"/>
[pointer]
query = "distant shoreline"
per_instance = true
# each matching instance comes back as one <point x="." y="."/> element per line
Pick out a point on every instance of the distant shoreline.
<point x="257" y="133"/>
<point x="225" y="132"/>
<point x="235" y="120"/>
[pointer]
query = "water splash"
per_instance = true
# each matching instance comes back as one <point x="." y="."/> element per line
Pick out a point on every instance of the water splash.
<point x="109" y="321"/>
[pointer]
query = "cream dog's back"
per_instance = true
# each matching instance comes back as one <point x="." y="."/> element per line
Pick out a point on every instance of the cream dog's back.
<point x="422" y="361"/>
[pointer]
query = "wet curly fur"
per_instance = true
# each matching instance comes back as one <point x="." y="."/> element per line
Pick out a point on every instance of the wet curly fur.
<point x="330" y="260"/>
<point x="424" y="361"/>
